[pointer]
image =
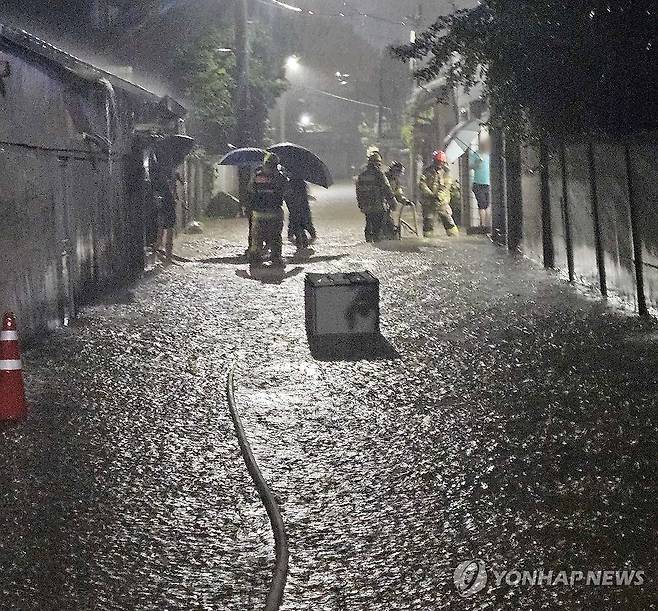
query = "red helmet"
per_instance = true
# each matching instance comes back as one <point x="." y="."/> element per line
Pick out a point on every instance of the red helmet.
<point x="440" y="157"/>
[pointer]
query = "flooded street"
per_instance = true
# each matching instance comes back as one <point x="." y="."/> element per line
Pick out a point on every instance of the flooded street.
<point x="517" y="426"/>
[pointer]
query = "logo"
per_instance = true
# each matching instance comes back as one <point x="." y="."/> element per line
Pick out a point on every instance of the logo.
<point x="470" y="578"/>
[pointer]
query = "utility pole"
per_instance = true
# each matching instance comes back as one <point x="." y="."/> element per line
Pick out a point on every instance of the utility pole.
<point x="380" y="106"/>
<point x="283" y="115"/>
<point x="241" y="102"/>
<point x="413" y="165"/>
<point x="417" y="21"/>
<point x="242" y="72"/>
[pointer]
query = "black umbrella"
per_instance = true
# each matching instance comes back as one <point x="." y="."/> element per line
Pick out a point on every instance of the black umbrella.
<point x="302" y="163"/>
<point x="251" y="157"/>
<point x="172" y="149"/>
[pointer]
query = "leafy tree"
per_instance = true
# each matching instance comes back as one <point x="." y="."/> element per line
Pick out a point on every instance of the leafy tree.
<point x="266" y="80"/>
<point x="560" y="65"/>
<point x="208" y="73"/>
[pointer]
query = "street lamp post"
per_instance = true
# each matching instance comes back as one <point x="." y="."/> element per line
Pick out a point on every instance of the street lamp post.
<point x="380" y="104"/>
<point x="242" y="70"/>
<point x="291" y="66"/>
<point x="413" y="162"/>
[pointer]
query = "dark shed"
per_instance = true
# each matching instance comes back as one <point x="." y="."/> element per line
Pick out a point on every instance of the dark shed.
<point x="71" y="201"/>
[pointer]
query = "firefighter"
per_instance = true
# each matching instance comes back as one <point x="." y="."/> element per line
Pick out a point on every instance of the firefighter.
<point x="394" y="174"/>
<point x="374" y="197"/>
<point x="435" y="190"/>
<point x="267" y="190"/>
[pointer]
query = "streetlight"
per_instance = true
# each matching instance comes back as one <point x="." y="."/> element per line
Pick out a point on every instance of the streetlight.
<point x="292" y="65"/>
<point x="305" y="120"/>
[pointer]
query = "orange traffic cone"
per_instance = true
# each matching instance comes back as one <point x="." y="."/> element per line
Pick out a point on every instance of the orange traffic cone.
<point x="12" y="391"/>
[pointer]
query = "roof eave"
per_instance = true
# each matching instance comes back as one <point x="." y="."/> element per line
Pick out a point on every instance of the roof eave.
<point x="84" y="70"/>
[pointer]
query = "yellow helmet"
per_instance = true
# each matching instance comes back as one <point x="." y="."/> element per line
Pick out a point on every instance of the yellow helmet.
<point x="271" y="160"/>
<point x="372" y="150"/>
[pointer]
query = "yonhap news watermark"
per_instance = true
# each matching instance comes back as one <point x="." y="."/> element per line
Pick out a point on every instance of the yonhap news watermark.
<point x="472" y="576"/>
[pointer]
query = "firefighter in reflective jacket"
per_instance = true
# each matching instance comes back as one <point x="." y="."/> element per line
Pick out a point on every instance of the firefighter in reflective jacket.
<point x="374" y="197"/>
<point x="266" y="189"/>
<point x="435" y="193"/>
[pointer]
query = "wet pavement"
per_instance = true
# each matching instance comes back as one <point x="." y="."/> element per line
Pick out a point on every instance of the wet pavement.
<point x="517" y="426"/>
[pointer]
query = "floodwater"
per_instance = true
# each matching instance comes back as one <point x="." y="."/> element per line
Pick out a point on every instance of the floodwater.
<point x="516" y="426"/>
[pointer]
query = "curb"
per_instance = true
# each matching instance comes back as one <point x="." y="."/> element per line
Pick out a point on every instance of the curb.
<point x="277" y="587"/>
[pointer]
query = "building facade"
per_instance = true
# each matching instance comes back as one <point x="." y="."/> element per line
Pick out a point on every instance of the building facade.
<point x="73" y="197"/>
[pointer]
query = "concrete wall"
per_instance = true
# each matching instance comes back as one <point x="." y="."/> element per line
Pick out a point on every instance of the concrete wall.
<point x="599" y="182"/>
<point x="198" y="191"/>
<point x="71" y="221"/>
<point x="531" y="243"/>
<point x="226" y="180"/>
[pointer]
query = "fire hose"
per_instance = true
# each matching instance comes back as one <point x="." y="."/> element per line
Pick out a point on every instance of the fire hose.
<point x="277" y="587"/>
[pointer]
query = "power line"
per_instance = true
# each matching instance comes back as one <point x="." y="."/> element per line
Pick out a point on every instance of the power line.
<point x="340" y="97"/>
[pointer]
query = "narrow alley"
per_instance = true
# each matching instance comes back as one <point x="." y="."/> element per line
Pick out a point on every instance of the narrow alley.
<point x="516" y="424"/>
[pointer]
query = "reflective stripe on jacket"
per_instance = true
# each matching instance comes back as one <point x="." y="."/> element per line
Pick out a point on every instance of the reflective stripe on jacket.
<point x="267" y="190"/>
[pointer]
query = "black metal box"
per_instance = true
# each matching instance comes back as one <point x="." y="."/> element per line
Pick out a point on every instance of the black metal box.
<point x="341" y="305"/>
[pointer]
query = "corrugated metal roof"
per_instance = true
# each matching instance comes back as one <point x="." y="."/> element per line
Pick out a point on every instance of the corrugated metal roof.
<point x="20" y="38"/>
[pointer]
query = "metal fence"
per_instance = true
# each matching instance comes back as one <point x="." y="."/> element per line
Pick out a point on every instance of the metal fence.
<point x="591" y="210"/>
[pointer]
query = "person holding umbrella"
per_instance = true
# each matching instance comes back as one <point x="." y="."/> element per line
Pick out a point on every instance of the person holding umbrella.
<point x="267" y="190"/>
<point x="300" y="223"/>
<point x="300" y="164"/>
